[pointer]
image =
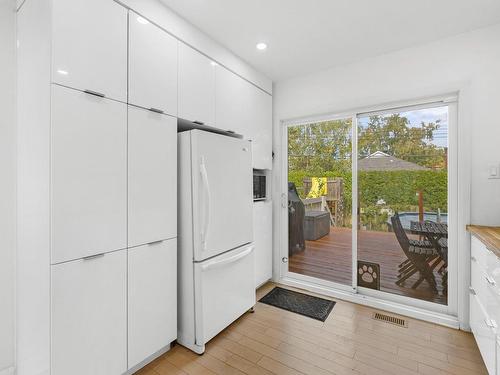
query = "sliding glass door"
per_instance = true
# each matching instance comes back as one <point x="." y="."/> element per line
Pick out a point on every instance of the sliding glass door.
<point x="402" y="175"/>
<point x="319" y="200"/>
<point x="367" y="203"/>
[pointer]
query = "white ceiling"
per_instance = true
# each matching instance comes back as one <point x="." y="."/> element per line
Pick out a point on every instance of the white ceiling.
<point x="305" y="36"/>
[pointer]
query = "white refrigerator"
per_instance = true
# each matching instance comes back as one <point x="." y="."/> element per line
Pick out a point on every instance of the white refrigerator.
<point x="215" y="253"/>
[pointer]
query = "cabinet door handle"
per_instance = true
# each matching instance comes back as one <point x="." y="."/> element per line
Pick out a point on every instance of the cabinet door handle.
<point x="95" y="93"/>
<point x="490" y="280"/>
<point x="491" y="323"/>
<point x="154" y="242"/>
<point x="90" y="257"/>
<point x="156" y="110"/>
<point x="198" y="122"/>
<point x="473" y="259"/>
<point x="472" y="291"/>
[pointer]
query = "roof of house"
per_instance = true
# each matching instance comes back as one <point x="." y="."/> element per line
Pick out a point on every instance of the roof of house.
<point x="380" y="161"/>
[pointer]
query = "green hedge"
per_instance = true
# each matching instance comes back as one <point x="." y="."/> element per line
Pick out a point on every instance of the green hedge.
<point x="397" y="188"/>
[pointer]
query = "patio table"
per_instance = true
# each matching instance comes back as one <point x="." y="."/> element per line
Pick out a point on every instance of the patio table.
<point x="435" y="233"/>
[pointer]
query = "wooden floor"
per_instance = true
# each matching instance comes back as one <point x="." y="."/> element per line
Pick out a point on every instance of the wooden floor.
<point x="274" y="341"/>
<point x="329" y="258"/>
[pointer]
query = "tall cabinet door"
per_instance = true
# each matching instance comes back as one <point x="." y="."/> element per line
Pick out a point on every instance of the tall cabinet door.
<point x="89" y="316"/>
<point x="263" y="241"/>
<point x="152" y="66"/>
<point x="90" y="46"/>
<point x="88" y="175"/>
<point x="152" y="177"/>
<point x="196" y="86"/>
<point x="152" y="299"/>
<point x="262" y="129"/>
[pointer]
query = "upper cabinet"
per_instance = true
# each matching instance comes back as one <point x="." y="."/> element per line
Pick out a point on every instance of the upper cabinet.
<point x="261" y="131"/>
<point x="247" y="110"/>
<point x="196" y="86"/>
<point x="90" y="46"/>
<point x="152" y="66"/>
<point x="232" y="95"/>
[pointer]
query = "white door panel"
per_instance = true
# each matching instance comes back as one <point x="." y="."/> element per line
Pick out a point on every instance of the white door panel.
<point x="222" y="193"/>
<point x="246" y="110"/>
<point x="89" y="175"/>
<point x="196" y="86"/>
<point x="484" y="332"/>
<point x="89" y="46"/>
<point x="224" y="291"/>
<point x="152" y="66"/>
<point x="152" y="176"/>
<point x="152" y="299"/>
<point x="263" y="241"/>
<point x="89" y="316"/>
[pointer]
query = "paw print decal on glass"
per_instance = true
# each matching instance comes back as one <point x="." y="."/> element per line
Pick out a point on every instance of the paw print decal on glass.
<point x="369" y="275"/>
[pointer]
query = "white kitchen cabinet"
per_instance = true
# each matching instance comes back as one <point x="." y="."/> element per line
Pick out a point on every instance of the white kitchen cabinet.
<point x="89" y="316"/>
<point x="89" y="46"/>
<point x="484" y="331"/>
<point x="152" y="66"/>
<point x="196" y="100"/>
<point x="233" y="96"/>
<point x="152" y="176"/>
<point x="152" y="299"/>
<point x="262" y="131"/>
<point x="247" y="110"/>
<point x="88" y="175"/>
<point x="263" y="241"/>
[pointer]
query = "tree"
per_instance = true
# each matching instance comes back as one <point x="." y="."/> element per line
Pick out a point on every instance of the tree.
<point x="318" y="147"/>
<point x="395" y="136"/>
<point x="326" y="146"/>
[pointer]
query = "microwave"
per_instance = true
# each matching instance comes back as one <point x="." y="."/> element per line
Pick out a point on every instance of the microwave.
<point x="259" y="186"/>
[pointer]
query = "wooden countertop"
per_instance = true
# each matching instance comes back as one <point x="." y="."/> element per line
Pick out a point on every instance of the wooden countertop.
<point x="490" y="236"/>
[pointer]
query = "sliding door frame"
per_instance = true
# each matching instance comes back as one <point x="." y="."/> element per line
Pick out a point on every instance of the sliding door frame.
<point x="430" y="311"/>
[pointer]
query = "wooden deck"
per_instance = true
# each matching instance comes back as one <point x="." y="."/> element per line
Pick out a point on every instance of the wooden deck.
<point x="329" y="258"/>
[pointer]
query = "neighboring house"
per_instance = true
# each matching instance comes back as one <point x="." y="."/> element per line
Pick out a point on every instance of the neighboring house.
<point x="380" y="161"/>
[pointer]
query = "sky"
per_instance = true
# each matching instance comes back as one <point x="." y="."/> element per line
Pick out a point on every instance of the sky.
<point x="426" y="115"/>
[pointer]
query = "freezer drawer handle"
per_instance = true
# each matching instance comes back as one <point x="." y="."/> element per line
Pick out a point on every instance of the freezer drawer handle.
<point x="206" y="208"/>
<point x="223" y="262"/>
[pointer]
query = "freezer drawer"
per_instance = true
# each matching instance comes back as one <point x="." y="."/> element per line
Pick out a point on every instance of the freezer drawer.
<point x="224" y="290"/>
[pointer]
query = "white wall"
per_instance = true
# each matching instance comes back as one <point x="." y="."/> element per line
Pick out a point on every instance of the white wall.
<point x="468" y="61"/>
<point x="7" y="185"/>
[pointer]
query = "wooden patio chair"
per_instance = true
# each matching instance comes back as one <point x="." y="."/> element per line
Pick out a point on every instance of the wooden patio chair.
<point x="422" y="257"/>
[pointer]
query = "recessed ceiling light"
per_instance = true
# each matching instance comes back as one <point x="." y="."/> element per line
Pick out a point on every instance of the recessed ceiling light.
<point x="142" y="20"/>
<point x="261" y="46"/>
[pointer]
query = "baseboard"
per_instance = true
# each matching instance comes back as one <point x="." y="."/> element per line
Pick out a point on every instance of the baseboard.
<point x="8" y="371"/>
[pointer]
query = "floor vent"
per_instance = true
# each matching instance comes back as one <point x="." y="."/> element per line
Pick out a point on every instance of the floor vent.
<point x="390" y="319"/>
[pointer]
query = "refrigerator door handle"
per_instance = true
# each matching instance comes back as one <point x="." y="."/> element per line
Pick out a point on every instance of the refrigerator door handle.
<point x="219" y="263"/>
<point x="206" y="205"/>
